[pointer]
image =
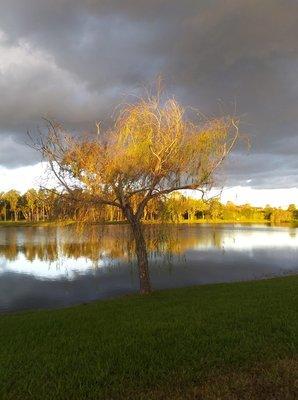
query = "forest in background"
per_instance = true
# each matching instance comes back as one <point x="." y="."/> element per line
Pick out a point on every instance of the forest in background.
<point x="49" y="205"/>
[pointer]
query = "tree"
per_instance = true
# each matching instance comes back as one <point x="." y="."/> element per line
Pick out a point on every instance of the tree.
<point x="173" y="207"/>
<point x="293" y="211"/>
<point x="12" y="197"/>
<point x="3" y="206"/>
<point x="154" y="148"/>
<point x="31" y="200"/>
<point x="268" y="210"/>
<point x="215" y="209"/>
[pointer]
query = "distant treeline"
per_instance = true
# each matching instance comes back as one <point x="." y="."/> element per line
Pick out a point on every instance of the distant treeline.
<point x="47" y="205"/>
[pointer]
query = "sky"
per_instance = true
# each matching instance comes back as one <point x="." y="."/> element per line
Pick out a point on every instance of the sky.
<point x="74" y="61"/>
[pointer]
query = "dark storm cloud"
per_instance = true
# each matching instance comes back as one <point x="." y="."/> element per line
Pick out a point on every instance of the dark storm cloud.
<point x="74" y="60"/>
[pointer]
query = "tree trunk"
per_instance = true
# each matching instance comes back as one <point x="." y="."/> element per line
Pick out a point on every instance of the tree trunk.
<point x="142" y="257"/>
<point x="141" y="251"/>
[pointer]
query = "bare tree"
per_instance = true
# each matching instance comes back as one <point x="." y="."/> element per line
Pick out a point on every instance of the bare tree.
<point x="154" y="148"/>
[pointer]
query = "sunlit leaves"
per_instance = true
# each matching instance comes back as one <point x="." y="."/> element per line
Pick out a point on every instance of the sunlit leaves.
<point x="154" y="147"/>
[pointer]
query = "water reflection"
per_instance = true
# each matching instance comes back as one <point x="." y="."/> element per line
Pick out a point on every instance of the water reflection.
<point x="48" y="267"/>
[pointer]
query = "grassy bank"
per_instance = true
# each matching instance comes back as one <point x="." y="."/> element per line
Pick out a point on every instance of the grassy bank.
<point x="227" y="341"/>
<point x="6" y="224"/>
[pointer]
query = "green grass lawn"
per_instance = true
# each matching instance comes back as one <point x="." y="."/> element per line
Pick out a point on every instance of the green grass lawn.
<point x="227" y="341"/>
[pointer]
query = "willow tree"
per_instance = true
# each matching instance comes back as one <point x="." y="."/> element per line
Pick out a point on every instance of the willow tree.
<point x="153" y="148"/>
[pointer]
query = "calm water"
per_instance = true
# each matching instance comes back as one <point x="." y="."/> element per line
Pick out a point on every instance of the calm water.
<point x="55" y="267"/>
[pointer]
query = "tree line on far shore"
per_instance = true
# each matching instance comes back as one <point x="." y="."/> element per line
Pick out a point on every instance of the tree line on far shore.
<point x="49" y="205"/>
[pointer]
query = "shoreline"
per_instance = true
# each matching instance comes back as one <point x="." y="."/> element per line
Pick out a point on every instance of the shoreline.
<point x="130" y="295"/>
<point x="59" y="223"/>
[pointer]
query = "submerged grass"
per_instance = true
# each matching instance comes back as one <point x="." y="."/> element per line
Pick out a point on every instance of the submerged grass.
<point x="225" y="341"/>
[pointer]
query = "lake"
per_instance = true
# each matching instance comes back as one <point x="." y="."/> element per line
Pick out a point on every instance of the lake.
<point x="45" y="267"/>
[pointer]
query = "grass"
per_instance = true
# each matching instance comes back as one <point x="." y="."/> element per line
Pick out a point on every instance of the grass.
<point x="7" y="224"/>
<point x="225" y="341"/>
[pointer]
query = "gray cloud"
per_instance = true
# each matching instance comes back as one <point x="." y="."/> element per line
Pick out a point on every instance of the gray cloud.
<point x="74" y="60"/>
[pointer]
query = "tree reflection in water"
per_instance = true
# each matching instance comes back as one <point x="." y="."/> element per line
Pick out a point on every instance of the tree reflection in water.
<point x="53" y="267"/>
<point x="101" y="242"/>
